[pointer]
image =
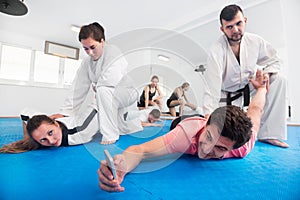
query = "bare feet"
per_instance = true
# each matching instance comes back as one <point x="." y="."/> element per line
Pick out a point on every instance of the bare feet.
<point x="108" y="142"/>
<point x="275" y="142"/>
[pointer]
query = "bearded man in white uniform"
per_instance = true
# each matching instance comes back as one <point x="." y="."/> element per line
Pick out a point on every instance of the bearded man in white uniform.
<point x="232" y="61"/>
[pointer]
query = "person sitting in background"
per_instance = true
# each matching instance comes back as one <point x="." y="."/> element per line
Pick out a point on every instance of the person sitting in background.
<point x="229" y="132"/>
<point x="149" y="97"/>
<point x="178" y="98"/>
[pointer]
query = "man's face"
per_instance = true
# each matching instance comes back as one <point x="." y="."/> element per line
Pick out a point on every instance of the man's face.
<point x="234" y="29"/>
<point x="151" y="119"/>
<point x="212" y="145"/>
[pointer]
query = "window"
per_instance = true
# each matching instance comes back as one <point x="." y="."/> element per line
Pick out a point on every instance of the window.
<point x="71" y="67"/>
<point x="15" y="63"/>
<point x="24" y="66"/>
<point x="46" y="68"/>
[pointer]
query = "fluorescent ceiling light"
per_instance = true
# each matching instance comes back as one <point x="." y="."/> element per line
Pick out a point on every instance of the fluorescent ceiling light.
<point x="75" y="28"/>
<point x="163" y="58"/>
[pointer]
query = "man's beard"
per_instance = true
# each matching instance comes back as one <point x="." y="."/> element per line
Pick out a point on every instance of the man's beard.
<point x="235" y="39"/>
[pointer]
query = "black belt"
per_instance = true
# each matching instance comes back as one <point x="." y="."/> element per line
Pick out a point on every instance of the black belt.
<point x="241" y="92"/>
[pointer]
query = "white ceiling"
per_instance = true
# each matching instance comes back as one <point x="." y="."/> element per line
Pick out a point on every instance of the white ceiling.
<point x="51" y="19"/>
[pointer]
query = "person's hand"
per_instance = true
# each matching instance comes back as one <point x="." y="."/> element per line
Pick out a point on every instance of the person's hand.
<point x="106" y="180"/>
<point x="56" y="116"/>
<point x="267" y="80"/>
<point x="261" y="80"/>
<point x="206" y="116"/>
<point x="181" y="101"/>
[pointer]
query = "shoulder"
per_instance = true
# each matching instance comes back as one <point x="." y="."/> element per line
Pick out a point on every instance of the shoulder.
<point x="252" y="37"/>
<point x="111" y="52"/>
<point x="178" y="89"/>
<point x="111" y="48"/>
<point x="146" y="87"/>
<point x="193" y="125"/>
<point x="219" y="46"/>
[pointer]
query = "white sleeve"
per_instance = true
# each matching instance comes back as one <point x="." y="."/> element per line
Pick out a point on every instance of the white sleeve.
<point x="268" y="57"/>
<point x="78" y="92"/>
<point x="114" y="67"/>
<point x="213" y="80"/>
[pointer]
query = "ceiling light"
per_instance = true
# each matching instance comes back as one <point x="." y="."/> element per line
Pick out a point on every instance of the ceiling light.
<point x="13" y="7"/>
<point x="75" y="28"/>
<point x="163" y="58"/>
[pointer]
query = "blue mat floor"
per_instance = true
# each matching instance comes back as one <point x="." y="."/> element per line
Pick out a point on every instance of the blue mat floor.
<point x="70" y="172"/>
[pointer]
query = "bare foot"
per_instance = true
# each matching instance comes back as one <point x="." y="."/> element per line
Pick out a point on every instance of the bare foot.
<point x="107" y="142"/>
<point x="275" y="142"/>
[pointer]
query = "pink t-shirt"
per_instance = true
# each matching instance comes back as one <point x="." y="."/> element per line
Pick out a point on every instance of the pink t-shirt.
<point x="184" y="139"/>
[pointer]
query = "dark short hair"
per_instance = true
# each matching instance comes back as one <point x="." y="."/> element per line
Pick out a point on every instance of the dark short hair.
<point x="229" y="12"/>
<point x="93" y="30"/>
<point x="154" y="77"/>
<point x="233" y="123"/>
<point x="155" y="113"/>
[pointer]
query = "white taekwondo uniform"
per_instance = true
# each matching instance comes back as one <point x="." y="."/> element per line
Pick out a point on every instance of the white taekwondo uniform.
<point x="225" y="74"/>
<point x="104" y="75"/>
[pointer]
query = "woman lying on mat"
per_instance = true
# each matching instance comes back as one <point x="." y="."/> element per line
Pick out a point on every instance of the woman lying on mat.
<point x="45" y="131"/>
<point x="229" y="132"/>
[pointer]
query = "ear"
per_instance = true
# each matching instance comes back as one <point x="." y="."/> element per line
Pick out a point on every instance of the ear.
<point x="222" y="29"/>
<point x="245" y="20"/>
<point x="56" y="123"/>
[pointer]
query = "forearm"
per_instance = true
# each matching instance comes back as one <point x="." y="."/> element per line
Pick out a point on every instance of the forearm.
<point x="268" y="57"/>
<point x="146" y="103"/>
<point x="146" y="124"/>
<point x="133" y="155"/>
<point x="146" y="96"/>
<point x="256" y="107"/>
<point x="259" y="99"/>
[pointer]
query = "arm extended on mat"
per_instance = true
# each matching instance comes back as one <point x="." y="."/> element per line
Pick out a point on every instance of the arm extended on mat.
<point x="127" y="161"/>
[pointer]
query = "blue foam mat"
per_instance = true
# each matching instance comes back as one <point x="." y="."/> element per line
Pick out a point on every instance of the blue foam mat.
<point x="70" y="172"/>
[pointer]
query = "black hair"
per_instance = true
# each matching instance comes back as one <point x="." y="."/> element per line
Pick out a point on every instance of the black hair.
<point x="93" y="30"/>
<point x="232" y="123"/>
<point x="229" y="12"/>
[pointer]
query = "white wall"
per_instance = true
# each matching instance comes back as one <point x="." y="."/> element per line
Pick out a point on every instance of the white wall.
<point x="15" y="98"/>
<point x="291" y="16"/>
